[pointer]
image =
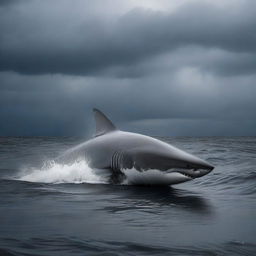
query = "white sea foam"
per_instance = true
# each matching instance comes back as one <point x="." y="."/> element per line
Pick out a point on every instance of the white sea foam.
<point x="78" y="172"/>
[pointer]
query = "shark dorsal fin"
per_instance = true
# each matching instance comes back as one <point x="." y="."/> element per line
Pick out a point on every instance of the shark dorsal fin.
<point x="103" y="124"/>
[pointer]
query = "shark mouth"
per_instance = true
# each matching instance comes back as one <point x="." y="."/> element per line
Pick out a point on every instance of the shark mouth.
<point x="190" y="173"/>
<point x="156" y="177"/>
<point x="186" y="175"/>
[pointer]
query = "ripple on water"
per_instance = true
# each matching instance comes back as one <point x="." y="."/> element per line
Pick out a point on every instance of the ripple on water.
<point x="74" y="246"/>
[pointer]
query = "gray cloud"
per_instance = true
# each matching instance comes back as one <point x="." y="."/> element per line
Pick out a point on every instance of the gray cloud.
<point x="37" y="41"/>
<point x="4" y="3"/>
<point x="188" y="71"/>
<point x="61" y="105"/>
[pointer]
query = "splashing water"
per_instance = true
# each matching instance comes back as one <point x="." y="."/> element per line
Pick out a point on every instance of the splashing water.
<point x="78" y="172"/>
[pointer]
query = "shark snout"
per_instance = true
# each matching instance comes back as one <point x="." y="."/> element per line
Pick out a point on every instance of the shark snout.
<point x="198" y="167"/>
<point x="192" y="166"/>
<point x="201" y="164"/>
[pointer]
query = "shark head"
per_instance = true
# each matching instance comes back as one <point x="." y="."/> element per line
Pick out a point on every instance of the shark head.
<point x="177" y="165"/>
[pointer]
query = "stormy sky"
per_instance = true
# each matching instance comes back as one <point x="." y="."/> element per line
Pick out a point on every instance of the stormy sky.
<point x="174" y="68"/>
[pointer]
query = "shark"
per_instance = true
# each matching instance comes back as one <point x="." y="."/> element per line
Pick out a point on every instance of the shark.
<point x="148" y="160"/>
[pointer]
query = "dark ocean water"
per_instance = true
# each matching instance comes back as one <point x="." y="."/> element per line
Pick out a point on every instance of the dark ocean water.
<point x="57" y="211"/>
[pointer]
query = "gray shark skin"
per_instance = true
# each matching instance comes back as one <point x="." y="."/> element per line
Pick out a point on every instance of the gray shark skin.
<point x="121" y="152"/>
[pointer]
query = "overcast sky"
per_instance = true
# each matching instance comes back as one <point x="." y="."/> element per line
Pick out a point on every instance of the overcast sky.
<point x="167" y="68"/>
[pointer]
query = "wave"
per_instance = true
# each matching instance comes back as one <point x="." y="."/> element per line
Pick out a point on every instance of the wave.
<point x="52" y="172"/>
<point x="56" y="245"/>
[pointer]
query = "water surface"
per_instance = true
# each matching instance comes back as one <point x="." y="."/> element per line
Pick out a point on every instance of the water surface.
<point x="70" y="210"/>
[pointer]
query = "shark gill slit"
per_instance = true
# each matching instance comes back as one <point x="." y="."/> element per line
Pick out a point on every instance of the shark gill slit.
<point x="112" y="161"/>
<point x="115" y="165"/>
<point x="118" y="157"/>
<point x="115" y="161"/>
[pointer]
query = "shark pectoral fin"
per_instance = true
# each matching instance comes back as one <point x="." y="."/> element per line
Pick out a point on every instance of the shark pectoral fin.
<point x="103" y="124"/>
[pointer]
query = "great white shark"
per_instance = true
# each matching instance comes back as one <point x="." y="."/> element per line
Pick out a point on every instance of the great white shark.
<point x="121" y="153"/>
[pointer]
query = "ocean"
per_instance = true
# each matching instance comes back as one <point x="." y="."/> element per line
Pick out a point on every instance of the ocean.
<point x="52" y="209"/>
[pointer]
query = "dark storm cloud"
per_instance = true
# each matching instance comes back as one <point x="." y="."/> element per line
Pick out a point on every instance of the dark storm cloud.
<point x="180" y="105"/>
<point x="39" y="41"/>
<point x="7" y="2"/>
<point x="190" y="71"/>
